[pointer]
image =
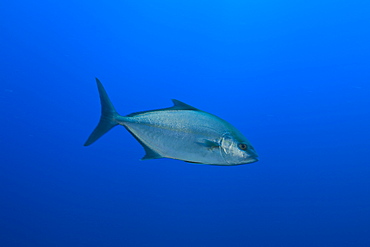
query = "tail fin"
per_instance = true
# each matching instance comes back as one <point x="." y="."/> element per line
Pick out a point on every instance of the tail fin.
<point x="108" y="118"/>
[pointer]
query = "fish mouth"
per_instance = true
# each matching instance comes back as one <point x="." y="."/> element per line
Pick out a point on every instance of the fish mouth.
<point x="248" y="161"/>
<point x="252" y="160"/>
<point x="253" y="157"/>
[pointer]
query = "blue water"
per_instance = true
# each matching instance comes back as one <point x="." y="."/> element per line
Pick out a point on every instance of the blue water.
<point x="293" y="76"/>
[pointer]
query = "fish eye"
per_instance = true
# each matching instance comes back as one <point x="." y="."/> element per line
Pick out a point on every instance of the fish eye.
<point x="243" y="146"/>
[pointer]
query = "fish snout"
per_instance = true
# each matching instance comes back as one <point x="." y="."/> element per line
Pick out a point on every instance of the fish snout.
<point x="252" y="156"/>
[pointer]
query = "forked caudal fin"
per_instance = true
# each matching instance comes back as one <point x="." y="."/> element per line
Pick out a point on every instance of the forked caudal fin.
<point x="108" y="118"/>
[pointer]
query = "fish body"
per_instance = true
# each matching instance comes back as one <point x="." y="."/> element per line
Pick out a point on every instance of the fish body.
<point x="179" y="132"/>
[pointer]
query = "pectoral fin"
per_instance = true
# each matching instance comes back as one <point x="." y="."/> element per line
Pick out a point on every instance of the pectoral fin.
<point x="208" y="144"/>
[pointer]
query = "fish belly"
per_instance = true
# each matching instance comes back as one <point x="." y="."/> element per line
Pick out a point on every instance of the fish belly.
<point x="178" y="139"/>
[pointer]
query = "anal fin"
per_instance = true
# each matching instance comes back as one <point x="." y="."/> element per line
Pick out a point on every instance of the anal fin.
<point x="150" y="154"/>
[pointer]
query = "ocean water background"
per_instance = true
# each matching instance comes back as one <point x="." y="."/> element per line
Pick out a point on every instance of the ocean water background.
<point x="293" y="76"/>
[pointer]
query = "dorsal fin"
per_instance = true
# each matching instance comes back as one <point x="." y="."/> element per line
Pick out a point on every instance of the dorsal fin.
<point x="178" y="105"/>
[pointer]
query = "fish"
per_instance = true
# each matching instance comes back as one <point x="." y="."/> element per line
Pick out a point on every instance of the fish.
<point x="181" y="132"/>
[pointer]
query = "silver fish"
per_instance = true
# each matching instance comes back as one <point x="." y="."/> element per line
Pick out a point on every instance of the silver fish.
<point x="179" y="132"/>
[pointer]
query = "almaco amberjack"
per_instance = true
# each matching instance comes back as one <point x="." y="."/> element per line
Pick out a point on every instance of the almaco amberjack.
<point x="179" y="132"/>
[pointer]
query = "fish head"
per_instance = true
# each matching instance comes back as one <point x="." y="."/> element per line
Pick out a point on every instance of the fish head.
<point x="237" y="150"/>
